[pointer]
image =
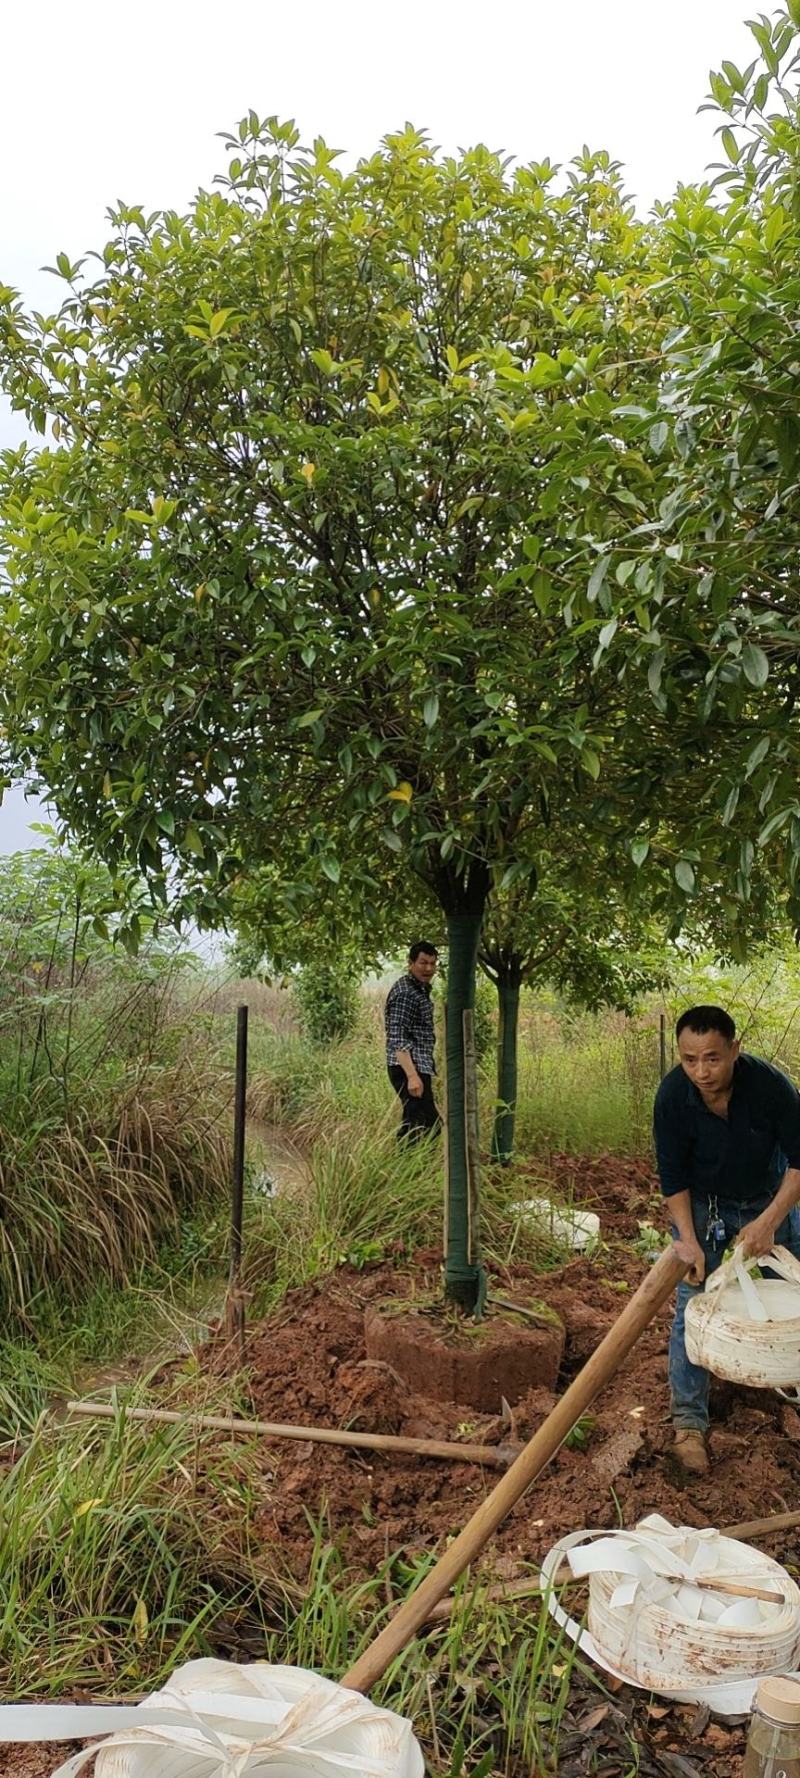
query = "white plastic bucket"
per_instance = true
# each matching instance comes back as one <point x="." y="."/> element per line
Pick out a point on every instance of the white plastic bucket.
<point x="745" y="1328"/>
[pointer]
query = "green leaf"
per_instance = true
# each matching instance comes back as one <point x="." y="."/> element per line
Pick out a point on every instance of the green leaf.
<point x="308" y="717"/>
<point x="655" y="671"/>
<point x="772" y="826"/>
<point x="755" y="664"/>
<point x="590" y="761"/>
<point x="597" y="577"/>
<point x="608" y="633"/>
<point x="731" y="802"/>
<point x="192" y="841"/>
<point x="430" y="710"/>
<point x="756" y="755"/>
<point x="331" y="867"/>
<point x="776" y="225"/>
<point x="730" y="144"/>
<point x="323" y="361"/>
<point x="639" y="851"/>
<point x="658" y="436"/>
<point x="684" y="876"/>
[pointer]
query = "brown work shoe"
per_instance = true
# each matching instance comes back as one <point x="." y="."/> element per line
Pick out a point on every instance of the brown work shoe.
<point x="690" y="1449"/>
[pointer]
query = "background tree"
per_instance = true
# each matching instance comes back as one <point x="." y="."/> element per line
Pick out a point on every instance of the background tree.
<point x="582" y="940"/>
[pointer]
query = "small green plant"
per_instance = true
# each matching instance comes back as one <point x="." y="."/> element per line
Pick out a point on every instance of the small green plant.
<point x="579" y="1436"/>
<point x="650" y="1241"/>
<point x="364" y="1253"/>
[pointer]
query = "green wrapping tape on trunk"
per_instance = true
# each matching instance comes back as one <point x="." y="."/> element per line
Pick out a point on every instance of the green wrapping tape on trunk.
<point x="462" y="1276"/>
<point x="471" y="1284"/>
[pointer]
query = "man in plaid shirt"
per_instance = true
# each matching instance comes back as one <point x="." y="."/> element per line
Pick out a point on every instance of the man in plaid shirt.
<point x="410" y="1043"/>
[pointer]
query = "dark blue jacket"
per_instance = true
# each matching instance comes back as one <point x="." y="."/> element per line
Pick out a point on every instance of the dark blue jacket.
<point x="742" y="1158"/>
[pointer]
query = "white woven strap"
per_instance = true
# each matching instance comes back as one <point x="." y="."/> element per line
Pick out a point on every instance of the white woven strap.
<point x="304" y="1734"/>
<point x="726" y="1697"/>
<point x="737" y="1268"/>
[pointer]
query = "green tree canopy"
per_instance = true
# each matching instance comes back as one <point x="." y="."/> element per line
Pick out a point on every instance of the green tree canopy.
<point x="329" y="539"/>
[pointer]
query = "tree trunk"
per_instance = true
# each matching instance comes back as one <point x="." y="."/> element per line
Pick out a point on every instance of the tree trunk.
<point x="463" y="1273"/>
<point x="508" y="989"/>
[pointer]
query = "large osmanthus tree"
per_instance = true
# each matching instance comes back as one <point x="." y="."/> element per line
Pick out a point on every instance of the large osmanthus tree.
<point x="326" y="538"/>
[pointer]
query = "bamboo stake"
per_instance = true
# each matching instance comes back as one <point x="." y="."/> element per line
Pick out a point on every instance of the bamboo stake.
<point x="490" y="1456"/>
<point x="564" y="1577"/>
<point x="762" y="1527"/>
<point x="746" y="1529"/>
<point x="653" y="1292"/>
<point x="445" y="1143"/>
<point x="471" y="1141"/>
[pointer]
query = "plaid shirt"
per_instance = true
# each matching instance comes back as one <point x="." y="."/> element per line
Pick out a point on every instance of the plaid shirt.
<point x="409" y="1023"/>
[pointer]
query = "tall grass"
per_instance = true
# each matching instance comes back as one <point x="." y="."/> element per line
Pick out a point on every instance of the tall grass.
<point x="586" y="1081"/>
<point x="113" y="1099"/>
<point x="493" y="1679"/>
<point x="125" y="1550"/>
<point x="121" y="1550"/>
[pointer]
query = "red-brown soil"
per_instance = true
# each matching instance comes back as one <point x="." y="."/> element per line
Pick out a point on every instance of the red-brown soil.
<point x="307" y="1363"/>
<point x="35" y="1761"/>
<point x="502" y="1359"/>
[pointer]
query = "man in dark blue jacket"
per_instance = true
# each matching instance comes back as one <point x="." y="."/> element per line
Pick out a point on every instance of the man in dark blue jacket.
<point x="727" y="1135"/>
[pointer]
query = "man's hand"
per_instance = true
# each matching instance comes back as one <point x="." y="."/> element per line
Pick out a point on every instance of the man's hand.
<point x="758" y="1237"/>
<point x="693" y="1252"/>
<point x="415" y="1086"/>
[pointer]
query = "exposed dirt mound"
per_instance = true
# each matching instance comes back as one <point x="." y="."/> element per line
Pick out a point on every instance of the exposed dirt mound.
<point x="308" y="1363"/>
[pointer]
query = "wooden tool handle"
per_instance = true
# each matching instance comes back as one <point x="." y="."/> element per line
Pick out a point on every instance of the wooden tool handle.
<point x="491" y="1456"/>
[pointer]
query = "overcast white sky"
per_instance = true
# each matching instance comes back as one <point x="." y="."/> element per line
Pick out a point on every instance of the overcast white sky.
<point x="99" y="102"/>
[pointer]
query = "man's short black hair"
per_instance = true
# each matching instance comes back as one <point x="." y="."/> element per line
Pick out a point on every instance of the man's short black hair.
<point x="421" y="948"/>
<point x="707" y="1018"/>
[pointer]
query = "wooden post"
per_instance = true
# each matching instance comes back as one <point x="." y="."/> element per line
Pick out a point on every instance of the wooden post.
<point x="662" y="1044"/>
<point x="652" y="1293"/>
<point x="234" y="1308"/>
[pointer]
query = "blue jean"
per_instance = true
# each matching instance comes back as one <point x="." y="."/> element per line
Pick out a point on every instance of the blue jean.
<point x="689" y="1383"/>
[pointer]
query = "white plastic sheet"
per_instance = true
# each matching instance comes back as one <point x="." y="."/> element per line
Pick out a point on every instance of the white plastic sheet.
<point x="579" y="1229"/>
<point x="217" y="1719"/>
<point x="661" y="1633"/>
